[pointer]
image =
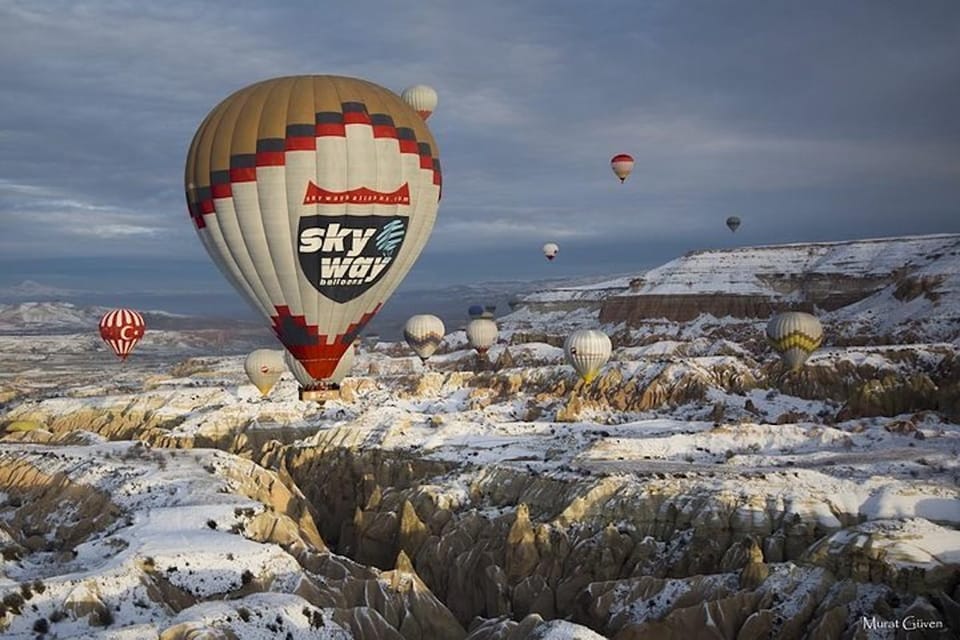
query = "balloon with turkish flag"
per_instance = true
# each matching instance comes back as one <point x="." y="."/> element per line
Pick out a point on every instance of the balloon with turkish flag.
<point x="122" y="330"/>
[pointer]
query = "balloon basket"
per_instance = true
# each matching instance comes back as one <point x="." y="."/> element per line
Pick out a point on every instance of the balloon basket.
<point x="319" y="395"/>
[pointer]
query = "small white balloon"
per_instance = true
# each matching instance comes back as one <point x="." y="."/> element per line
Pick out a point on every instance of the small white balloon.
<point x="587" y="351"/>
<point x="482" y="334"/>
<point x="264" y="367"/>
<point x="422" y="98"/>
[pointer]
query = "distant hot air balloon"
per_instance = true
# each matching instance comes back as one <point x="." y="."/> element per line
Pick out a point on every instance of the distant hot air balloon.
<point x="587" y="351"/>
<point x="622" y="165"/>
<point x="424" y="333"/>
<point x="488" y="311"/>
<point x="475" y="311"/>
<point x="550" y="250"/>
<point x="122" y="330"/>
<point x="733" y="223"/>
<point x="307" y="381"/>
<point x="795" y="335"/>
<point x="314" y="195"/>
<point x="422" y="98"/>
<point x="481" y="334"/>
<point x="264" y="367"/>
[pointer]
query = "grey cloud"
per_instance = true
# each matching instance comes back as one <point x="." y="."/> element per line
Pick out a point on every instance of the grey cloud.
<point x="808" y="119"/>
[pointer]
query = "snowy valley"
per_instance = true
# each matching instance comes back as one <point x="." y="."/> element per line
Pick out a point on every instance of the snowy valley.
<point x="693" y="490"/>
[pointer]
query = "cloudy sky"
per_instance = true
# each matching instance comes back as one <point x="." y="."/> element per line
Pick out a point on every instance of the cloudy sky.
<point x="809" y="120"/>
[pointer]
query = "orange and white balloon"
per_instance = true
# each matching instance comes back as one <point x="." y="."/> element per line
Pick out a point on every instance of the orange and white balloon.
<point x="122" y="330"/>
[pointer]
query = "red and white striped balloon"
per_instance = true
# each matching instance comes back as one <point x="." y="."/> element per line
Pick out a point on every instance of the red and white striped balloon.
<point x="122" y="330"/>
<point x="622" y="165"/>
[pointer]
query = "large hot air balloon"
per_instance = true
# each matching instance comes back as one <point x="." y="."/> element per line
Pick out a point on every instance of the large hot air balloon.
<point x="264" y="367"/>
<point x="481" y="334"/>
<point x="733" y="223"/>
<point x="122" y="330"/>
<point x="550" y="250"/>
<point x="422" y="98"/>
<point x="424" y="333"/>
<point x="622" y="165"/>
<point x="475" y="311"/>
<point x="307" y="381"/>
<point x="314" y="195"/>
<point x="795" y="335"/>
<point x="587" y="351"/>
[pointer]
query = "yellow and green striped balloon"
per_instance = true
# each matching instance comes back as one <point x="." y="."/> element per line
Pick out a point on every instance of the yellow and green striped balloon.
<point x="795" y="335"/>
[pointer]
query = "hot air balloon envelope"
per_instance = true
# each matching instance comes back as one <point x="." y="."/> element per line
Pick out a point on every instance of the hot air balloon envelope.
<point x="481" y="334"/>
<point x="122" y="330"/>
<point x="795" y="335"/>
<point x="622" y="165"/>
<point x="587" y="351"/>
<point x="424" y="333"/>
<point x="264" y="367"/>
<point x="314" y="195"/>
<point x="422" y="98"/>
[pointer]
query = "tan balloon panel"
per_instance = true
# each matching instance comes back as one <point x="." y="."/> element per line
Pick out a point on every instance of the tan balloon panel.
<point x="314" y="195"/>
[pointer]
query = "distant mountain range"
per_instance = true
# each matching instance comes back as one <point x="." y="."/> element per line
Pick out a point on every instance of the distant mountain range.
<point x="66" y="317"/>
<point x="33" y="307"/>
<point x="902" y="288"/>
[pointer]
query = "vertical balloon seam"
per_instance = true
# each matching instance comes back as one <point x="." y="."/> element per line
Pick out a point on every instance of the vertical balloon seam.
<point x="369" y="97"/>
<point x="266" y="253"/>
<point x="335" y="315"/>
<point x="194" y="178"/>
<point x="250" y="221"/>
<point x="216" y="225"/>
<point x="304" y="90"/>
<point x="318" y="87"/>
<point x="226" y="214"/>
<point x="279" y="240"/>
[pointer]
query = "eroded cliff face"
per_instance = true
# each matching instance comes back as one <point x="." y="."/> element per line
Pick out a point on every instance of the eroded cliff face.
<point x="376" y="541"/>
<point x="883" y="290"/>
<point x="622" y="553"/>
<point x="633" y="310"/>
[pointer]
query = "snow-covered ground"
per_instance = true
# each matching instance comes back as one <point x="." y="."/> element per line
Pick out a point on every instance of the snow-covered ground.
<point x="166" y="494"/>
